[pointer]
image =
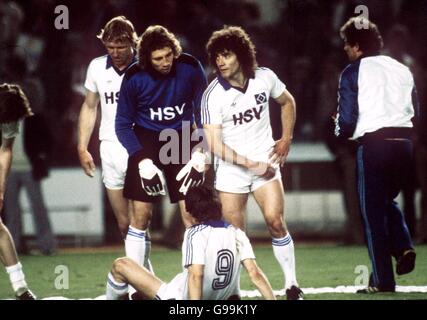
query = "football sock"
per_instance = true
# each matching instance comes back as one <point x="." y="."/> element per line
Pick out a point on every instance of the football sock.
<point x="147" y="262"/>
<point x="283" y="249"/>
<point x="17" y="278"/>
<point x="135" y="245"/>
<point x="115" y="290"/>
<point x="135" y="248"/>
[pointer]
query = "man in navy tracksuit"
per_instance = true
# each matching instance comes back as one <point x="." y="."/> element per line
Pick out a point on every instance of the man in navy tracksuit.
<point x="377" y="104"/>
<point x="159" y="103"/>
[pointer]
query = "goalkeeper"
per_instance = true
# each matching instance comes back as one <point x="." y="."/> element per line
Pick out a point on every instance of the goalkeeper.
<point x="157" y="113"/>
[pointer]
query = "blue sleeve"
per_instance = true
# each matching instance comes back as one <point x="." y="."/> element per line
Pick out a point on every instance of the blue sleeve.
<point x="348" y="107"/>
<point x="125" y="117"/>
<point x="200" y="86"/>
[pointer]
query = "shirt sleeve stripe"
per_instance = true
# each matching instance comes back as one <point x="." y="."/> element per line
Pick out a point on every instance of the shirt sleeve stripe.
<point x="205" y="108"/>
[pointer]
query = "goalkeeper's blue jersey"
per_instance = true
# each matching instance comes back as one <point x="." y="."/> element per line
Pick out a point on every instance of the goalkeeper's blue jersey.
<point x="154" y="101"/>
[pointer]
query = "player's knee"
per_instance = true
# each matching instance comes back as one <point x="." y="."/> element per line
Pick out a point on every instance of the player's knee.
<point x="123" y="227"/>
<point x="120" y="265"/>
<point x="276" y="227"/>
<point x="141" y="218"/>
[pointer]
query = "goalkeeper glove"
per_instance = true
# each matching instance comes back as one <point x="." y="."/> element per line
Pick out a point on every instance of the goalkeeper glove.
<point x="152" y="179"/>
<point x="193" y="173"/>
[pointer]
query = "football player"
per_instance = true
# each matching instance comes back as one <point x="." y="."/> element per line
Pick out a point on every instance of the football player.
<point x="158" y="105"/>
<point x="103" y="80"/>
<point x="210" y="246"/>
<point x="235" y="115"/>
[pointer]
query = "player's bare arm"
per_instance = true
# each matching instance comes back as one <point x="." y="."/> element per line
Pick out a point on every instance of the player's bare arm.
<point x="259" y="279"/>
<point x="220" y="149"/>
<point x="87" y="119"/>
<point x="195" y="281"/>
<point x="288" y="117"/>
<point x="5" y="162"/>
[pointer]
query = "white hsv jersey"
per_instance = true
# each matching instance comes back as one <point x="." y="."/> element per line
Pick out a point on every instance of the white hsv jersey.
<point x="243" y="113"/>
<point x="221" y="248"/>
<point x="103" y="78"/>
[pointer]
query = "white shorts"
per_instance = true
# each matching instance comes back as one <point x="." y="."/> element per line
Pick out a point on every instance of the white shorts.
<point x="235" y="179"/>
<point x="173" y="290"/>
<point x="114" y="158"/>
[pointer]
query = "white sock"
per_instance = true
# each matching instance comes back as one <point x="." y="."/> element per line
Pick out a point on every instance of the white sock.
<point x="283" y="249"/>
<point x="147" y="262"/>
<point x="135" y="246"/>
<point x="17" y="278"/>
<point x="115" y="289"/>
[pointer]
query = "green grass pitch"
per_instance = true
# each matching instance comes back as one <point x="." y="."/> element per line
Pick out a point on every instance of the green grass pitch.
<point x="317" y="266"/>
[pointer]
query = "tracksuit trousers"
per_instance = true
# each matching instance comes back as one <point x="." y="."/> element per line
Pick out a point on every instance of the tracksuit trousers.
<point x="383" y="165"/>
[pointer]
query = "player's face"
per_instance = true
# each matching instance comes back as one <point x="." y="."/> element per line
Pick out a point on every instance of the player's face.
<point x="162" y="60"/>
<point x="120" y="52"/>
<point x="228" y="65"/>
<point x="353" y="52"/>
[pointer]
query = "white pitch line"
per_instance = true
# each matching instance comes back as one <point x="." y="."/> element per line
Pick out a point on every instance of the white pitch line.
<point x="339" y="289"/>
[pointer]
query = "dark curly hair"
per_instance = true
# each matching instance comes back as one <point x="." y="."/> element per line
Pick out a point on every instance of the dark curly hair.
<point x="202" y="203"/>
<point x="14" y="104"/>
<point x="369" y="39"/>
<point x="154" y="38"/>
<point x="235" y="39"/>
<point x="119" y="28"/>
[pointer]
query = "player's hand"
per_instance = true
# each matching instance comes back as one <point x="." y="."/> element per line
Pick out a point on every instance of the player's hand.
<point x="152" y="179"/>
<point x="193" y="173"/>
<point x="261" y="169"/>
<point x="280" y="152"/>
<point x="86" y="161"/>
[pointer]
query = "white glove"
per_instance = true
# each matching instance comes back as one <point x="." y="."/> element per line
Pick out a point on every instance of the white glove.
<point x="152" y="179"/>
<point x="193" y="173"/>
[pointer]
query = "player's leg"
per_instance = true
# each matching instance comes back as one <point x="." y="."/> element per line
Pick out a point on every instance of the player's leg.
<point x="135" y="243"/>
<point x="233" y="186"/>
<point x="121" y="173"/>
<point x="10" y="260"/>
<point x="121" y="209"/>
<point x="234" y="208"/>
<point x="147" y="261"/>
<point x="136" y="237"/>
<point x="7" y="247"/>
<point x="124" y="272"/>
<point x="270" y="198"/>
<point x="114" y="159"/>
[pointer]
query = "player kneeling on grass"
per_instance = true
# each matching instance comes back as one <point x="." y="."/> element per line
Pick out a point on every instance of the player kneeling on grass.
<point x="210" y="244"/>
